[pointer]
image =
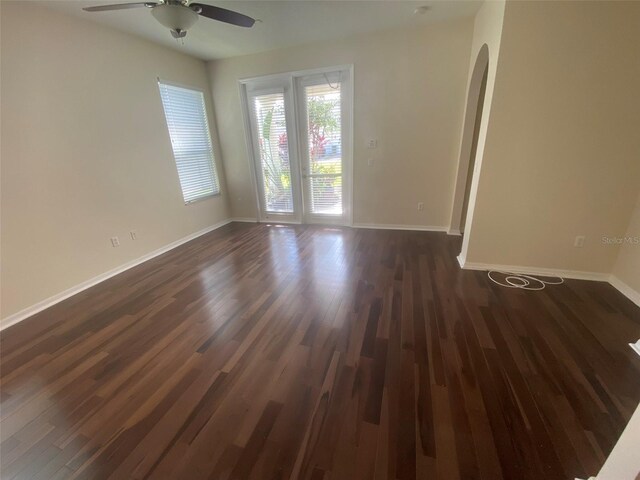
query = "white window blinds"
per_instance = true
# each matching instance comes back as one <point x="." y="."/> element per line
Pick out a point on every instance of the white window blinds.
<point x="274" y="152"/>
<point x="186" y="117"/>
<point x="324" y="139"/>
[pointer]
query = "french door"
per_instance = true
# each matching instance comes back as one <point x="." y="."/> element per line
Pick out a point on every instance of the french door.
<point x="273" y="138"/>
<point x="300" y="136"/>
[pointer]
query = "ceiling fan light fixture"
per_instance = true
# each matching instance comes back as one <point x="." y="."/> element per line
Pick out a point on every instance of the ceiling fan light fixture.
<point x="177" y="18"/>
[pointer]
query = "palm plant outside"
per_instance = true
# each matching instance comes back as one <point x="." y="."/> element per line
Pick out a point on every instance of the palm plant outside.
<point x="274" y="153"/>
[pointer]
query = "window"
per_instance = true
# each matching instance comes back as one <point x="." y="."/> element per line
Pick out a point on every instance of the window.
<point x="191" y="141"/>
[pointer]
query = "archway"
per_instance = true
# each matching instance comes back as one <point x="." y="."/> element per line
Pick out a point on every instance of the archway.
<point x="469" y="144"/>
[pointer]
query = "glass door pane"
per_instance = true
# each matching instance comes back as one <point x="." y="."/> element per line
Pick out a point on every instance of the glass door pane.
<point x="300" y="137"/>
<point x="272" y="148"/>
<point x="323" y="168"/>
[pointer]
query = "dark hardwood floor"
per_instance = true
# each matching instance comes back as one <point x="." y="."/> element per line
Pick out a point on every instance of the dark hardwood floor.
<point x="275" y="352"/>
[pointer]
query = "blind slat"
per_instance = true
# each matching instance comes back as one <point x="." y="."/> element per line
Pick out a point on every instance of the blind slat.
<point x="188" y="126"/>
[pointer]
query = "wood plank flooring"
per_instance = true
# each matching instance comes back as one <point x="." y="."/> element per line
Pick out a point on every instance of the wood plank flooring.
<point x="276" y="352"/>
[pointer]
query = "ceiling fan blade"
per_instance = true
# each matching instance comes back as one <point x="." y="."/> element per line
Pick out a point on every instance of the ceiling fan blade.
<point x="119" y="6"/>
<point x="223" y="15"/>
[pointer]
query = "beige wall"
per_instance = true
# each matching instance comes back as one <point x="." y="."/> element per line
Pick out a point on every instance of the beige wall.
<point x="409" y="94"/>
<point x="561" y="151"/>
<point x="627" y="266"/>
<point x="85" y="153"/>
<point x="487" y="30"/>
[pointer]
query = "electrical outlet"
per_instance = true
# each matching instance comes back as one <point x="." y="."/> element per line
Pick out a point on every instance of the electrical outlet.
<point x="579" y="241"/>
<point x="115" y="242"/>
<point x="133" y="234"/>
<point x="420" y="206"/>
<point x="372" y="143"/>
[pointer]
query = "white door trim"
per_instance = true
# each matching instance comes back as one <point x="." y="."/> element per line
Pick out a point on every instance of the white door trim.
<point x="285" y="88"/>
<point x="295" y="74"/>
<point x="347" y="147"/>
<point x="346" y="112"/>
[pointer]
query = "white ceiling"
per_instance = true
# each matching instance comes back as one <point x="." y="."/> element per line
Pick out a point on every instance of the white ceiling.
<point x="283" y="23"/>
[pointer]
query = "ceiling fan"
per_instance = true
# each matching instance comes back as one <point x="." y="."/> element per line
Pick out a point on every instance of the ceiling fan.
<point x="179" y="15"/>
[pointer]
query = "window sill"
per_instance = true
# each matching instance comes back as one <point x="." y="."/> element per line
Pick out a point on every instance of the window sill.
<point x="199" y="199"/>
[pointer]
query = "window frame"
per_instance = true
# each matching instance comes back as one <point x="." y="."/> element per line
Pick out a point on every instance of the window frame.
<point x="214" y="166"/>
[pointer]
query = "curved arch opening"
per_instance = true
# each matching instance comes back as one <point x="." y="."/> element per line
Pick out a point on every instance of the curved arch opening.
<point x="469" y="145"/>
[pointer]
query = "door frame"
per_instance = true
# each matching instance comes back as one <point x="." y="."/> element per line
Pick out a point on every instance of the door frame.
<point x="284" y="87"/>
<point x="347" y="136"/>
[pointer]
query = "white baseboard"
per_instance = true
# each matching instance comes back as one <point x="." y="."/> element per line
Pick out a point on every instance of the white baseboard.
<point x="625" y="289"/>
<point x="385" y="226"/>
<point x="543" y="272"/>
<point x="275" y="221"/>
<point x="454" y="231"/>
<point x="376" y="226"/>
<point x="618" y="284"/>
<point x="44" y="304"/>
